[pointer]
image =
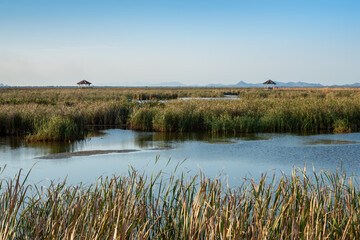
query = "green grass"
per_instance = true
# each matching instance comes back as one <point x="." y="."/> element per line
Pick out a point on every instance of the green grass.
<point x="159" y="206"/>
<point x="65" y="114"/>
<point x="270" y="114"/>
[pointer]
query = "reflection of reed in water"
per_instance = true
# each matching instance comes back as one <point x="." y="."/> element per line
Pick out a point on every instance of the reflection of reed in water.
<point x="6" y="142"/>
<point x="145" y="140"/>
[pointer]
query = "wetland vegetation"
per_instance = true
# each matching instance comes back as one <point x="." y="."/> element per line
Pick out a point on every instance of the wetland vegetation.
<point x="65" y="114"/>
<point x="161" y="206"/>
<point x="323" y="205"/>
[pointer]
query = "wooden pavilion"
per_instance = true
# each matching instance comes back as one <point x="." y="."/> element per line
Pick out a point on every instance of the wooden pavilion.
<point x="84" y="84"/>
<point x="269" y="84"/>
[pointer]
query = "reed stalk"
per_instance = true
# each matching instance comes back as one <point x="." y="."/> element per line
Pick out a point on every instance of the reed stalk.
<point x="321" y="205"/>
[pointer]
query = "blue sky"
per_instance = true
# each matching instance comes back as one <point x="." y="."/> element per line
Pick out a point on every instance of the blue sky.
<point x="193" y="42"/>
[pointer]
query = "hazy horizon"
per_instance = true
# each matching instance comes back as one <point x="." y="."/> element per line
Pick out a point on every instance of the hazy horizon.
<point x="193" y="42"/>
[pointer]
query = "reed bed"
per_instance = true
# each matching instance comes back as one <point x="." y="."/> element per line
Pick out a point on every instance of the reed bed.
<point x="161" y="206"/>
<point x="257" y="111"/>
<point x="65" y="114"/>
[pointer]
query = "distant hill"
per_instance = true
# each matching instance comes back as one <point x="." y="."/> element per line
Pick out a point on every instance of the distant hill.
<point x="244" y="84"/>
<point x="298" y="84"/>
<point x="278" y="84"/>
<point x="3" y="85"/>
<point x="143" y="84"/>
<point x="220" y="85"/>
<point x="169" y="84"/>
<point x="239" y="84"/>
<point x="354" y="85"/>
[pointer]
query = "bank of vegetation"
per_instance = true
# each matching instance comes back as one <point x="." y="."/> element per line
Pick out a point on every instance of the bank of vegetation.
<point x="161" y="206"/>
<point x="65" y="114"/>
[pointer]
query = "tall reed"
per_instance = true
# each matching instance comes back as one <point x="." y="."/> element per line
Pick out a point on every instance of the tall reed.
<point x="34" y="112"/>
<point x="283" y="114"/>
<point x="300" y="206"/>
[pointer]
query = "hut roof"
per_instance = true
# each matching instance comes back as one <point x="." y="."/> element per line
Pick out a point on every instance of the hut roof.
<point x="270" y="82"/>
<point x="84" y="82"/>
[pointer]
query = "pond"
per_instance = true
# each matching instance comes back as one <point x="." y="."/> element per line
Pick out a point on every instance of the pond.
<point x="234" y="157"/>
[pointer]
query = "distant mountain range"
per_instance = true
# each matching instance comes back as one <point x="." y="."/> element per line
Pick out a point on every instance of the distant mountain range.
<point x="142" y="84"/>
<point x="243" y="84"/>
<point x="283" y="84"/>
<point x="278" y="84"/>
<point x="239" y="84"/>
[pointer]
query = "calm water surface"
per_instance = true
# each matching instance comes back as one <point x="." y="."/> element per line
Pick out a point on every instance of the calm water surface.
<point x="235" y="157"/>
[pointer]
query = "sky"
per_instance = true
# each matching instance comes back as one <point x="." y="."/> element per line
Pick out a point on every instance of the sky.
<point x="195" y="42"/>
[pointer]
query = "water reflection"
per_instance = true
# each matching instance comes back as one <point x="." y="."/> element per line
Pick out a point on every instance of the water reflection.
<point x="236" y="155"/>
<point x="225" y="97"/>
<point x="52" y="148"/>
<point x="144" y="139"/>
<point x="9" y="142"/>
<point x="14" y="143"/>
<point x="126" y="139"/>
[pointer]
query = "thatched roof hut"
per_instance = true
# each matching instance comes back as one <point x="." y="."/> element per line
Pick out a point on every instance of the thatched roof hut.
<point x="84" y="83"/>
<point x="269" y="84"/>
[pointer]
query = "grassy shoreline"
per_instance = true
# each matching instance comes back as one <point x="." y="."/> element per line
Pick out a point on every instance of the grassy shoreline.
<point x="64" y="114"/>
<point x="138" y="206"/>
